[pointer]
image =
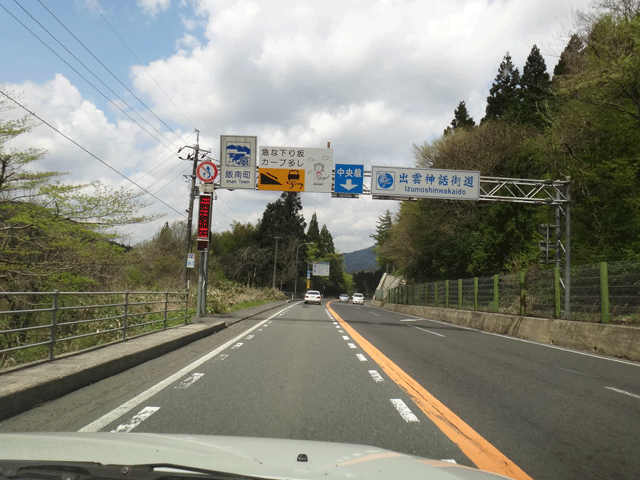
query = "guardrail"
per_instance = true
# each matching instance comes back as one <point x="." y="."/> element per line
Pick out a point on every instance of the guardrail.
<point x="41" y="325"/>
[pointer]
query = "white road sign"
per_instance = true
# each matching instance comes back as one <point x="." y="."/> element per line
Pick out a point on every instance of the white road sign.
<point x="320" y="269"/>
<point x="238" y="161"/>
<point x="425" y="183"/>
<point x="316" y="162"/>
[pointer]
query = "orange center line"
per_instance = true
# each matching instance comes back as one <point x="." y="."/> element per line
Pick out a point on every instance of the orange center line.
<point x="482" y="453"/>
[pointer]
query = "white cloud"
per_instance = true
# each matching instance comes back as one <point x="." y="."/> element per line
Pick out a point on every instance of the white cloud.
<point x="153" y="7"/>
<point x="371" y="77"/>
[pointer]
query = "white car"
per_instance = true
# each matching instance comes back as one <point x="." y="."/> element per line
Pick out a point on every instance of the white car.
<point x="344" y="298"/>
<point x="357" y="298"/>
<point x="312" y="296"/>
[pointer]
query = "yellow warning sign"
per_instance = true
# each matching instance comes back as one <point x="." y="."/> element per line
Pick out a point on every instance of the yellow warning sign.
<point x="285" y="179"/>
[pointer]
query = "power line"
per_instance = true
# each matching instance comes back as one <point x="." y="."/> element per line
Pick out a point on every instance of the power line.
<point x="107" y="69"/>
<point x="87" y="151"/>
<point x="82" y="76"/>
<point x="162" y="163"/>
<point x="142" y="65"/>
<point x="170" y="181"/>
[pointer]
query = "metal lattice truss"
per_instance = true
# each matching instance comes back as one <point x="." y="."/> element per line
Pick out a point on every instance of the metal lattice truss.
<point x="517" y="190"/>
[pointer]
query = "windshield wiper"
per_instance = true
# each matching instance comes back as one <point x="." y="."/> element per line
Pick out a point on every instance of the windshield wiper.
<point x="45" y="470"/>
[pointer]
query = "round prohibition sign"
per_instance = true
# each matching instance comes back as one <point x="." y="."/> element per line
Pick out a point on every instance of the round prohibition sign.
<point x="207" y="172"/>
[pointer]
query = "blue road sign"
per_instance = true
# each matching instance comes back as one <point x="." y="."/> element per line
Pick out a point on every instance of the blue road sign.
<point x="348" y="178"/>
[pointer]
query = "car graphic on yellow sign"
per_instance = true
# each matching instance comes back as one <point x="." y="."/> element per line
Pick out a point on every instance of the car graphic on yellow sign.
<point x="283" y="179"/>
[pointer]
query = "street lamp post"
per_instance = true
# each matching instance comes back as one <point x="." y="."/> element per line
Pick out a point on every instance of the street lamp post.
<point x="275" y="262"/>
<point x="295" y="280"/>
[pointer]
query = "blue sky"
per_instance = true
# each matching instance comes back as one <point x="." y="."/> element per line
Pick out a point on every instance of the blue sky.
<point x="371" y="77"/>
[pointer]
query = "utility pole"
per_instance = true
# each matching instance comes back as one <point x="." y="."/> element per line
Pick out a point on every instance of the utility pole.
<point x="192" y="197"/>
<point x="275" y="262"/>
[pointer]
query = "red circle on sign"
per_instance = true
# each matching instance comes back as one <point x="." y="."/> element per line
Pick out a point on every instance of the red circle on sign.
<point x="207" y="172"/>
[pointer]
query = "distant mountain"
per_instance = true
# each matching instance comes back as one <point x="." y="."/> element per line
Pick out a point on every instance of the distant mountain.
<point x="360" y="260"/>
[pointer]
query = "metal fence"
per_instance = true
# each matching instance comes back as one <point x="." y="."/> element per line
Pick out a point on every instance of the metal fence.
<point x="41" y="325"/>
<point x="603" y="293"/>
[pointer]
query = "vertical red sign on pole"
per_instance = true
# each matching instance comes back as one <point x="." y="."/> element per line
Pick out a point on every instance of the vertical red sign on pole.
<point x="204" y="222"/>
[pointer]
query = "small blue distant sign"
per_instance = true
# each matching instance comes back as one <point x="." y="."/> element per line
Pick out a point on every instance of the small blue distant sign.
<point x="348" y="178"/>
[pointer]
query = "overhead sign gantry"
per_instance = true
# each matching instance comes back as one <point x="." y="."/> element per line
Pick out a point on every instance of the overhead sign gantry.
<point x="300" y="169"/>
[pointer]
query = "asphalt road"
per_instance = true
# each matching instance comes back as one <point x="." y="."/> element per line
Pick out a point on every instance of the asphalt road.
<point x="359" y="374"/>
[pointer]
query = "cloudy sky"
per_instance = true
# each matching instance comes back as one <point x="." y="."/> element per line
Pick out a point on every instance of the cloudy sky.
<point x="371" y="77"/>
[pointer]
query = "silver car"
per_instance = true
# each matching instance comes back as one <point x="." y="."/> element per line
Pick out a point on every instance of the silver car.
<point x="312" y="296"/>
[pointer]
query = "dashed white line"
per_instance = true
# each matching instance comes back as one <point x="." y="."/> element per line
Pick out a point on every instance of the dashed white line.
<point x="351" y="345"/>
<point x="134" y="402"/>
<point x="249" y="337"/>
<point x="428" y="331"/>
<point x="409" y="320"/>
<point x="222" y="357"/>
<point x="623" y="392"/>
<point x="136" y="420"/>
<point x="344" y="337"/>
<point x="376" y="376"/>
<point x="361" y="357"/>
<point x="404" y="411"/>
<point x="190" y="380"/>
<point x="237" y="345"/>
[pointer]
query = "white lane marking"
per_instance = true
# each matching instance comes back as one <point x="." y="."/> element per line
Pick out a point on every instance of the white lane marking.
<point x="428" y="331"/>
<point x="134" y="402"/>
<point x="248" y="337"/>
<point x="361" y="357"/>
<point x="337" y="326"/>
<point x="259" y="329"/>
<point x="376" y="376"/>
<point x="136" y="420"/>
<point x="237" y="345"/>
<point x="507" y="337"/>
<point x="449" y="460"/>
<point x="222" y="357"/>
<point x="340" y="331"/>
<point x="404" y="411"/>
<point x="409" y="320"/>
<point x="344" y="337"/>
<point x="351" y="345"/>
<point x="190" y="380"/>
<point x="623" y="392"/>
<point x="377" y="315"/>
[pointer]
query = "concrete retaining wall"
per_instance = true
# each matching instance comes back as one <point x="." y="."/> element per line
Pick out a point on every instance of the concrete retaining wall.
<point x="613" y="340"/>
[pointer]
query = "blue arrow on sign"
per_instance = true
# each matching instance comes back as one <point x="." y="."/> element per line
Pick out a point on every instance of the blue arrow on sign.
<point x="348" y="178"/>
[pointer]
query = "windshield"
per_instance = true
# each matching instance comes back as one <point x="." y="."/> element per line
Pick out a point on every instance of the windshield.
<point x="188" y="189"/>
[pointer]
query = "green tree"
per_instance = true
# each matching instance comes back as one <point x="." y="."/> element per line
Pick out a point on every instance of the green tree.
<point x="503" y="95"/>
<point x="383" y="231"/>
<point x="594" y="136"/>
<point x="326" y="241"/>
<point x="313" y="232"/>
<point x="461" y="118"/>
<point x="570" y="58"/>
<point x="55" y="235"/>
<point x="282" y="218"/>
<point x="535" y="89"/>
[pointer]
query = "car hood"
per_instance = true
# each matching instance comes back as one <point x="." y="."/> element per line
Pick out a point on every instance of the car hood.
<point x="265" y="458"/>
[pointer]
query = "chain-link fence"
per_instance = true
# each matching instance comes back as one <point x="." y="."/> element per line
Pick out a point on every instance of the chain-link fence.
<point x="605" y="292"/>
